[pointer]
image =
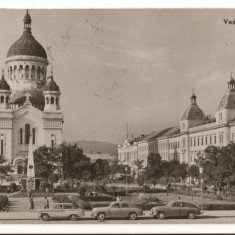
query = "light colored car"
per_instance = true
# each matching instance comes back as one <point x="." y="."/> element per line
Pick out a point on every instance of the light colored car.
<point x="175" y="209"/>
<point x="61" y="210"/>
<point x="117" y="210"/>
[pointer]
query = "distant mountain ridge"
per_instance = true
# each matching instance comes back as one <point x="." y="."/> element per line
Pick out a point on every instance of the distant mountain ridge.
<point x="93" y="147"/>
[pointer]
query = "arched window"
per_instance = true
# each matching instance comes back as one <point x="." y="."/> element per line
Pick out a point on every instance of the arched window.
<point x="47" y="99"/>
<point x="33" y="72"/>
<point x="21" y="71"/>
<point x="52" y="100"/>
<point x="34" y="135"/>
<point x="27" y="133"/>
<point x="21" y="136"/>
<point x="2" y="99"/>
<point x="56" y="100"/>
<point x="26" y="71"/>
<point x="7" y="100"/>
<point x="15" y="69"/>
<point x="38" y="73"/>
<point x="19" y="167"/>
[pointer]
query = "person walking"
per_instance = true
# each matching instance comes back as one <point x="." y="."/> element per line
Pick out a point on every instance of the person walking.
<point x="46" y="203"/>
<point x="31" y="203"/>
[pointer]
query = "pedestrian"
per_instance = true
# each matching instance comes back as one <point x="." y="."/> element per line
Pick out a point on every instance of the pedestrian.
<point x="119" y="198"/>
<point x="29" y="193"/>
<point x="179" y="199"/>
<point x="31" y="203"/>
<point x="46" y="203"/>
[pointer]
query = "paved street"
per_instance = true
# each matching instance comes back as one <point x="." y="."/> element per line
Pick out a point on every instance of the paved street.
<point x="209" y="217"/>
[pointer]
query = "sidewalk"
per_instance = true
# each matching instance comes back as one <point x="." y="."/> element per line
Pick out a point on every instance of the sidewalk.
<point x="33" y="215"/>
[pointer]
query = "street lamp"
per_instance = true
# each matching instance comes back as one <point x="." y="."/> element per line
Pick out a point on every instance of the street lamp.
<point x="201" y="171"/>
<point x="126" y="168"/>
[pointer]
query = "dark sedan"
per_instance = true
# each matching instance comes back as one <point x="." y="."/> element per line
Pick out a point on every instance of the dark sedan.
<point x="176" y="209"/>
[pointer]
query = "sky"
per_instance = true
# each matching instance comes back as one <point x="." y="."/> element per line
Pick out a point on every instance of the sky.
<point x="139" y="67"/>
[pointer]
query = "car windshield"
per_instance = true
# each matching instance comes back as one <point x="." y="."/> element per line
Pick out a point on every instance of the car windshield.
<point x="169" y="204"/>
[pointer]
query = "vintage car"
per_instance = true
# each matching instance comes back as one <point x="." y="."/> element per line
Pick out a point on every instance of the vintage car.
<point x="61" y="210"/>
<point x="175" y="209"/>
<point x="117" y="210"/>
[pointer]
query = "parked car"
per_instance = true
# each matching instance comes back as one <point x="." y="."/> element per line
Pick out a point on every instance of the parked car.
<point x="176" y="209"/>
<point x="61" y="210"/>
<point x="117" y="210"/>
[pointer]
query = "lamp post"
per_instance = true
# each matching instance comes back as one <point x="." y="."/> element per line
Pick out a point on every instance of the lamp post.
<point x="126" y="168"/>
<point x="201" y="171"/>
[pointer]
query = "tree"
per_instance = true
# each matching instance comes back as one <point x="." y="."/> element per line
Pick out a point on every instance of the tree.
<point x="5" y="168"/>
<point x="139" y="164"/>
<point x="153" y="171"/>
<point x="193" y="171"/>
<point x="101" y="170"/>
<point x="218" y="166"/>
<point x="180" y="171"/>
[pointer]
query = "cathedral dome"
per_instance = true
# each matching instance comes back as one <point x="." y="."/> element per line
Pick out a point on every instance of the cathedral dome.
<point x="27" y="44"/>
<point x="35" y="97"/>
<point x="193" y="112"/>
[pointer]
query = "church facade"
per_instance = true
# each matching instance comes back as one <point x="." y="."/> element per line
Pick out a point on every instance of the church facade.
<point x="29" y="101"/>
<point x="195" y="133"/>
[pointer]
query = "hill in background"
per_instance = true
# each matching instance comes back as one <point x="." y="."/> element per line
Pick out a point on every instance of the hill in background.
<point x="93" y="147"/>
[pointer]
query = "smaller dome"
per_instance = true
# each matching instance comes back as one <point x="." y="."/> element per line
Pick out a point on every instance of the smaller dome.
<point x="193" y="112"/>
<point x="227" y="101"/>
<point x="3" y="84"/>
<point x="27" y="18"/>
<point x="19" y="97"/>
<point x="51" y="85"/>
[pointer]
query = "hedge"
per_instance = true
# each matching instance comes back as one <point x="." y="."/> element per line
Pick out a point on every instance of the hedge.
<point x="3" y="202"/>
<point x="97" y="199"/>
<point x="211" y="207"/>
<point x="61" y="199"/>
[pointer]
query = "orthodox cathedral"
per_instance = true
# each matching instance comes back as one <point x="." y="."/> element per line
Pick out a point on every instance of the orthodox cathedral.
<point x="195" y="133"/>
<point x="29" y="101"/>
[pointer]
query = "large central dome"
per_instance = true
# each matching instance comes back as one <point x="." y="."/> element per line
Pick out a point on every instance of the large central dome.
<point x="27" y="44"/>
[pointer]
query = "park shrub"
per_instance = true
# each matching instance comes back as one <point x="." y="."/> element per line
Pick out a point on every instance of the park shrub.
<point x="61" y="199"/>
<point x="3" y="201"/>
<point x="209" y="206"/>
<point x="82" y="191"/>
<point x="79" y="203"/>
<point x="97" y="198"/>
<point x="148" y="205"/>
<point x="103" y="204"/>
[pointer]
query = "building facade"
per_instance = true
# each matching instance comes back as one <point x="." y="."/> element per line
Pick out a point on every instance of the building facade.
<point x="29" y="101"/>
<point x="195" y="133"/>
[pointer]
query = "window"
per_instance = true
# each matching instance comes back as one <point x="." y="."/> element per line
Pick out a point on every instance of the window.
<point x="68" y="207"/>
<point x="27" y="133"/>
<point x="52" y="143"/>
<point x="58" y="207"/>
<point x="34" y="136"/>
<point x="7" y="100"/>
<point x="21" y="136"/>
<point x="1" y="147"/>
<point x="47" y="99"/>
<point x="124" y="205"/>
<point x="116" y="205"/>
<point x="215" y="139"/>
<point x="210" y="140"/>
<point x="194" y="142"/>
<point x="2" y="99"/>
<point x="206" y="140"/>
<point x="19" y="168"/>
<point x="52" y="100"/>
<point x="202" y="141"/>
<point x="198" y="143"/>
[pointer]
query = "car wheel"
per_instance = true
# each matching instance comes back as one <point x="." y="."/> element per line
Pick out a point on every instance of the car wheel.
<point x="132" y="216"/>
<point x="101" y="216"/>
<point x="191" y="215"/>
<point x="161" y="215"/>
<point x="45" y="217"/>
<point x="73" y="217"/>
